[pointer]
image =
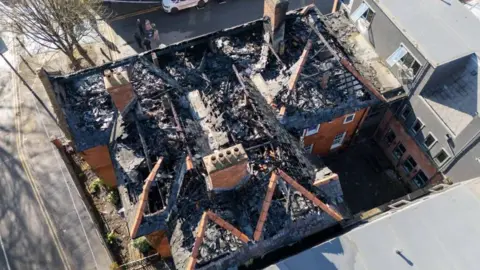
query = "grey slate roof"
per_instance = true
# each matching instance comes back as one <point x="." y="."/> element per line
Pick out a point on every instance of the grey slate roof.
<point x="436" y="232"/>
<point x="443" y="30"/>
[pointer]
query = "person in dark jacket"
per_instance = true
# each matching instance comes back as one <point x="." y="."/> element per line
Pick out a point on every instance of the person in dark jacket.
<point x="140" y="28"/>
<point x="138" y="39"/>
<point x="147" y="44"/>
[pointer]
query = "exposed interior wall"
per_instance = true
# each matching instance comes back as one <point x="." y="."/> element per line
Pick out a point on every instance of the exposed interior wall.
<point x="159" y="241"/>
<point x="373" y="118"/>
<point x="99" y="160"/>
<point x="323" y="139"/>
<point x="412" y="149"/>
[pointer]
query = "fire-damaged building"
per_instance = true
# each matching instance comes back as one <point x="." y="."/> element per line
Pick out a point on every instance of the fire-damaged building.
<point x="208" y="140"/>
<point x="432" y="47"/>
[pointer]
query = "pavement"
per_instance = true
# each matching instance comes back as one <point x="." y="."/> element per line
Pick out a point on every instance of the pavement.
<point x="187" y="23"/>
<point x="44" y="224"/>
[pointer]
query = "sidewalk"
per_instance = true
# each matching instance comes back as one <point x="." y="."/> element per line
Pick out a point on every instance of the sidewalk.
<point x="78" y="234"/>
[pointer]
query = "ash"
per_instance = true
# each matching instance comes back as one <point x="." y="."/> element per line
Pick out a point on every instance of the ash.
<point x="90" y="111"/>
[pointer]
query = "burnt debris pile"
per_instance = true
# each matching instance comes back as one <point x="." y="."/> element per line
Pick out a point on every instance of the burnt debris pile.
<point x="89" y="110"/>
<point x="323" y="82"/>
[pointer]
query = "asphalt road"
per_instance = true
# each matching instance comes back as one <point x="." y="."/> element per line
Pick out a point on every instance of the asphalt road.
<point x="44" y="223"/>
<point x="193" y="22"/>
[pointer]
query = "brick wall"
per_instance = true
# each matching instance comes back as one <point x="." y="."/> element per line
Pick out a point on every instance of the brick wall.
<point x="276" y="11"/>
<point x="230" y="177"/>
<point x="122" y="96"/>
<point x="323" y="139"/>
<point x="159" y="241"/>
<point x="412" y="149"/>
<point x="99" y="160"/>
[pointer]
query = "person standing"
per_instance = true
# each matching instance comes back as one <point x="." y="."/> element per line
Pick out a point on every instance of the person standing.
<point x="140" y="27"/>
<point x="156" y="36"/>
<point x="147" y="44"/>
<point x="138" y="39"/>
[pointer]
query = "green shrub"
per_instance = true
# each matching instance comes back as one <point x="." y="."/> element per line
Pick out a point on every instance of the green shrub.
<point x="111" y="237"/>
<point x="112" y="197"/>
<point x="141" y="244"/>
<point x="95" y="186"/>
<point x="114" y="266"/>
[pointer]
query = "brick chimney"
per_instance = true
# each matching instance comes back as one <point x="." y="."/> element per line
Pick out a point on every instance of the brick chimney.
<point x="120" y="89"/>
<point x="227" y="169"/>
<point x="276" y="10"/>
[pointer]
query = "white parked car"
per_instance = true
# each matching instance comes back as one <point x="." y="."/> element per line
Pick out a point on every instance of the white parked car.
<point x="172" y="6"/>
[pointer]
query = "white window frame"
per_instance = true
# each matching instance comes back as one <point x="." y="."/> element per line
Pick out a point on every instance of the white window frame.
<point x="398" y="54"/>
<point x="307" y="132"/>
<point x="433" y="143"/>
<point x="346" y="118"/>
<point x="308" y="148"/>
<point x="443" y="162"/>
<point x="360" y="11"/>
<point x="364" y="18"/>
<point x="340" y="141"/>
<point x="403" y="110"/>
<point x="414" y="123"/>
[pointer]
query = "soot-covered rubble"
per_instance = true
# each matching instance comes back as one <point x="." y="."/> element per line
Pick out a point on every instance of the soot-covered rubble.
<point x="325" y="87"/>
<point x="203" y="97"/>
<point x="90" y="111"/>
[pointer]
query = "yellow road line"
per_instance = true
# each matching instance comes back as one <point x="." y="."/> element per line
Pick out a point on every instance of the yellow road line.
<point x="136" y="13"/>
<point x="23" y="160"/>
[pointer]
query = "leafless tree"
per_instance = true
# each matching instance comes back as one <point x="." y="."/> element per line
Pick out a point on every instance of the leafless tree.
<point x="54" y="24"/>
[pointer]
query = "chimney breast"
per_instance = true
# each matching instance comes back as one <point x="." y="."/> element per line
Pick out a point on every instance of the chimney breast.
<point x="227" y="169"/>
<point x="120" y="89"/>
<point x="276" y="10"/>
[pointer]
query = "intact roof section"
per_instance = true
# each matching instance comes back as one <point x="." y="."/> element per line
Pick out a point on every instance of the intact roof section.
<point x="438" y="232"/>
<point x="456" y="99"/>
<point x="441" y="30"/>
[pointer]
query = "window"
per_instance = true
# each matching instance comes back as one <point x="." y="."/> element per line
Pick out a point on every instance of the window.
<point x="349" y="118"/>
<point x="311" y="130"/>
<point x="417" y="125"/>
<point x="429" y="140"/>
<point x="405" y="59"/>
<point x="390" y="136"/>
<point x="410" y="63"/>
<point x="398" y="151"/>
<point x="338" y="140"/>
<point x="363" y="11"/>
<point x="406" y="112"/>
<point x="409" y="164"/>
<point x="441" y="157"/>
<point x="420" y="179"/>
<point x="368" y="15"/>
<point x="308" y="148"/>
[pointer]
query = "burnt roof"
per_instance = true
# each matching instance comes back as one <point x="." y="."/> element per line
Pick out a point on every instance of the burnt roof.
<point x="165" y="125"/>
